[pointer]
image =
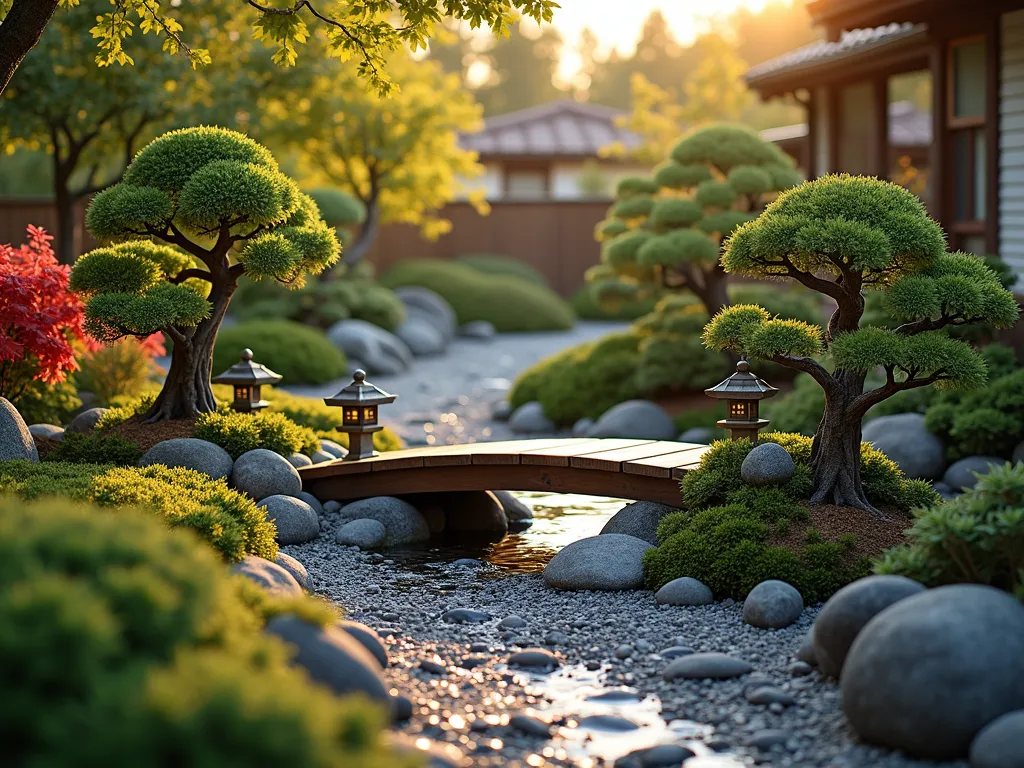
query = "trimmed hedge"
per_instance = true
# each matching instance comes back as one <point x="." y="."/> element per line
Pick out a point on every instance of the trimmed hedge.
<point x="124" y="643"/>
<point x="238" y="433"/>
<point x="300" y="354"/>
<point x="320" y="304"/>
<point x="96" y="448"/>
<point x="978" y="537"/>
<point x="230" y="521"/>
<point x="509" y="303"/>
<point x="491" y="264"/>
<point x="588" y="306"/>
<point x="724" y="537"/>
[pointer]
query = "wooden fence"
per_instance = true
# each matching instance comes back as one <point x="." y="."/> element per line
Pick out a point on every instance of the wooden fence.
<point x="555" y="237"/>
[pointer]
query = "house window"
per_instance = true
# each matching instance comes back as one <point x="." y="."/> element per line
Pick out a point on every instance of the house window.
<point x="526" y="184"/>
<point x="968" y="83"/>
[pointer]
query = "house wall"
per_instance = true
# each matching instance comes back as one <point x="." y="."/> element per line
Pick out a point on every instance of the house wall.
<point x="822" y="132"/>
<point x="490" y="182"/>
<point x="564" y="179"/>
<point x="1011" y="143"/>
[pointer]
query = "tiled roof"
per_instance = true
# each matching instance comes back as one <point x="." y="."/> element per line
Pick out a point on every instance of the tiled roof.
<point x="559" y="128"/>
<point x="851" y="44"/>
<point x="908" y="127"/>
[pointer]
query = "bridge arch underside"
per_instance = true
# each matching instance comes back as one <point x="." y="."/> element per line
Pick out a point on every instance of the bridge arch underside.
<point x="646" y="470"/>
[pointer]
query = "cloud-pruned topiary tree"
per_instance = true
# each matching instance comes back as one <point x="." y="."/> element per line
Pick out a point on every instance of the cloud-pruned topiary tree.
<point x="840" y="236"/>
<point x="195" y="211"/>
<point x="666" y="232"/>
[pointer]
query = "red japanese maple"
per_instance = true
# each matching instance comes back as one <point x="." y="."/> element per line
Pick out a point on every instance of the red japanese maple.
<point x="39" y="317"/>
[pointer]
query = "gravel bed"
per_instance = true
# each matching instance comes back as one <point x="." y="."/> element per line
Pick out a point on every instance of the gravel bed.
<point x="464" y="692"/>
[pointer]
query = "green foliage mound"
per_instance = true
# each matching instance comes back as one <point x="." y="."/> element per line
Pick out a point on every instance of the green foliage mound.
<point x="300" y="354"/>
<point x="588" y="304"/>
<point x="184" y="498"/>
<point x="238" y="433"/>
<point x="123" y="641"/>
<point x="96" y="448"/>
<point x="491" y="264"/>
<point x="320" y="304"/>
<point x="510" y="303"/>
<point x="729" y="536"/>
<point x="43" y="403"/>
<point x="337" y="208"/>
<point x="987" y="421"/>
<point x="977" y="538"/>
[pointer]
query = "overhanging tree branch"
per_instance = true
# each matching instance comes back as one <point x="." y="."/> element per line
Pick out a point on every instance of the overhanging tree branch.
<point x="20" y="31"/>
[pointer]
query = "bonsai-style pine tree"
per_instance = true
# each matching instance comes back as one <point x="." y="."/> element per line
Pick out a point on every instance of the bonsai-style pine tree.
<point x="667" y="231"/>
<point x="195" y="211"/>
<point x="841" y="236"/>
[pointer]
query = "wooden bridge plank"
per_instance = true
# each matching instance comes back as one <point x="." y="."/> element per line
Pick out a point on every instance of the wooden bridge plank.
<point x="505" y="452"/>
<point x="665" y="464"/>
<point x="560" y="456"/>
<point x="612" y="460"/>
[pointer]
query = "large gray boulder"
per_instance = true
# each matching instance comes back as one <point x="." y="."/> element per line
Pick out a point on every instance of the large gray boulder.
<point x="772" y="604"/>
<point x="15" y="440"/>
<point x="261" y="473"/>
<point x="925" y="675"/>
<point x="296" y="521"/>
<point x="190" y="453"/>
<point x="608" y="562"/>
<point x="378" y="350"/>
<point x="639" y="419"/>
<point x="767" y="464"/>
<point x="582" y="427"/>
<point x="685" y="591"/>
<point x="639" y="519"/>
<point x="402" y="521"/>
<point x="86" y="421"/>
<point x="529" y="419"/>
<point x="848" y="610"/>
<point x="903" y="438"/>
<point x="422" y="337"/>
<point x="517" y="514"/>
<point x="275" y="579"/>
<point x="363" y="533"/>
<point x="49" y="431"/>
<point x="1000" y="743"/>
<point x="431" y="306"/>
<point x="331" y="657"/>
<point x="337" y="450"/>
<point x="963" y="475"/>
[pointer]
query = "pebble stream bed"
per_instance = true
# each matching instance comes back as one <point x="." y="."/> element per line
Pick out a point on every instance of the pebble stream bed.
<point x="607" y="701"/>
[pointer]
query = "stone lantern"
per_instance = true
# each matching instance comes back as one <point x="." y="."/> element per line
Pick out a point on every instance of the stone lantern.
<point x="359" y="403"/>
<point x="742" y="391"/>
<point x="246" y="378"/>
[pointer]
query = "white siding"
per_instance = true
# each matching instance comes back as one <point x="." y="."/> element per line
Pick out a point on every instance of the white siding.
<point x="1011" y="144"/>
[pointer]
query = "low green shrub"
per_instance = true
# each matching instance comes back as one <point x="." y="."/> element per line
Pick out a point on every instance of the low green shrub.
<point x="320" y="304"/>
<point x="582" y="381"/>
<point x="300" y="354"/>
<point x="987" y="421"/>
<point x="95" y="448"/>
<point x="124" y="643"/>
<point x="588" y="306"/>
<point x="978" y="537"/>
<point x="491" y="264"/>
<point x="43" y="403"/>
<point x="230" y="521"/>
<point x="509" y="303"/>
<point x="116" y="370"/>
<point x="237" y="432"/>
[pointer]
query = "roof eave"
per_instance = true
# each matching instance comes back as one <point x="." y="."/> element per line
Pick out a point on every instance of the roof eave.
<point x="850" y="14"/>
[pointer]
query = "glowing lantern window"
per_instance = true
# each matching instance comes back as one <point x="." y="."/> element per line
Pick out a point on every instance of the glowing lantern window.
<point x="359" y="403"/>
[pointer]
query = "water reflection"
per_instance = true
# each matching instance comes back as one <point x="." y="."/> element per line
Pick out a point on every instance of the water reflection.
<point x="558" y="520"/>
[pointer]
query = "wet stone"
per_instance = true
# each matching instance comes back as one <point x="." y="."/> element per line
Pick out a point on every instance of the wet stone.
<point x="531" y="726"/>
<point x="465" y="616"/>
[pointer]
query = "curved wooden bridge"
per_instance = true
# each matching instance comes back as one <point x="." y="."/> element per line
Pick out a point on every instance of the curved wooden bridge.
<point x="620" y="468"/>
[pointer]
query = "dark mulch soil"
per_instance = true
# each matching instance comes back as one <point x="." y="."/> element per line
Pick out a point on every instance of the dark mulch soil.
<point x="874" y="535"/>
<point x="147" y="435"/>
<point x="45" y="446"/>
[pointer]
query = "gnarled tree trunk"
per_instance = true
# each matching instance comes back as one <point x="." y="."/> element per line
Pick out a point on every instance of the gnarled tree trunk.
<point x="187" y="390"/>
<point x="835" y="453"/>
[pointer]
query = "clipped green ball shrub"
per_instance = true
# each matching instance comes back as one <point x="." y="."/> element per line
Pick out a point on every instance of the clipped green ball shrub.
<point x="300" y="354"/>
<point x="238" y="433"/>
<point x="509" y="303"/>
<point x="491" y="264"/>
<point x="977" y="538"/>
<point x="338" y="208"/>
<point x="124" y="643"/>
<point x="988" y="421"/>
<point x="318" y="303"/>
<point x="588" y="305"/>
<point x="230" y="521"/>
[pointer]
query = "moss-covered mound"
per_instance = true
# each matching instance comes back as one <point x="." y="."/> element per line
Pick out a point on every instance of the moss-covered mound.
<point x="183" y="498"/>
<point x="492" y="264"/>
<point x="510" y="302"/>
<point x="732" y="536"/>
<point x="300" y="354"/>
<point x="976" y="538"/>
<point x="124" y="643"/>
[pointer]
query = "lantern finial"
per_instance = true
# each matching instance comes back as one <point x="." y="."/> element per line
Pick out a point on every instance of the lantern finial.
<point x="246" y="355"/>
<point x="742" y="366"/>
<point x="359" y="376"/>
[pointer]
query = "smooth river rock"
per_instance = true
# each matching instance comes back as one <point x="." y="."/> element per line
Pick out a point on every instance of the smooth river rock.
<point x="610" y="561"/>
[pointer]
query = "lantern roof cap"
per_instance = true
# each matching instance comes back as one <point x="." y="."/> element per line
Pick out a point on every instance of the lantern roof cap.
<point x="360" y="392"/>
<point x="245" y="371"/>
<point x="742" y="385"/>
